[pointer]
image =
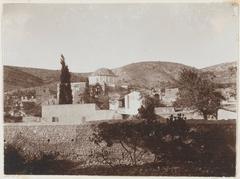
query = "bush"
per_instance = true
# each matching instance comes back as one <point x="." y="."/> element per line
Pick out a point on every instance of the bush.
<point x="12" y="119"/>
<point x="205" y="146"/>
<point x="16" y="162"/>
<point x="160" y="139"/>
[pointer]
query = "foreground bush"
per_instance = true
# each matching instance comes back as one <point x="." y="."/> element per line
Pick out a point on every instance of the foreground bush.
<point x="15" y="162"/>
<point x="206" y="146"/>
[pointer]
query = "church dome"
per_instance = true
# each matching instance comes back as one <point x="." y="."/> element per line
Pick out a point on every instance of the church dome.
<point x="103" y="72"/>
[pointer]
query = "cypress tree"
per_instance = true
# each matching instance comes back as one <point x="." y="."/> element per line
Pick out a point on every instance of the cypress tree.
<point x="65" y="95"/>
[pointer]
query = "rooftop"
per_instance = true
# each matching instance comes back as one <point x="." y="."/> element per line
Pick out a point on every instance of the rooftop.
<point x="103" y="72"/>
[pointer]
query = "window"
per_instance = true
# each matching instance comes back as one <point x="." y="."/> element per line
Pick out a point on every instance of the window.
<point x="55" y="119"/>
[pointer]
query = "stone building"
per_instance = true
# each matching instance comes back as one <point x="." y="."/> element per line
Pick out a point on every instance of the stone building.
<point x="102" y="76"/>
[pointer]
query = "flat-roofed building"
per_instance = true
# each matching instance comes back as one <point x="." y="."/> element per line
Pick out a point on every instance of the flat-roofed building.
<point x="76" y="113"/>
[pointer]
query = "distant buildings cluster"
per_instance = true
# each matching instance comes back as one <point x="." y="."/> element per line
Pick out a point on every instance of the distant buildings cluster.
<point x="93" y="100"/>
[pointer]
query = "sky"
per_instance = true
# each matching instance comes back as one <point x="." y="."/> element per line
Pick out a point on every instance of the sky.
<point x="92" y="36"/>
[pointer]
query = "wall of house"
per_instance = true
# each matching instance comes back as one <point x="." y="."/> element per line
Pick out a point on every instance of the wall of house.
<point x="224" y="114"/>
<point x="109" y="80"/>
<point x="76" y="113"/>
<point x="133" y="102"/>
<point x="31" y="119"/>
<point x="113" y="105"/>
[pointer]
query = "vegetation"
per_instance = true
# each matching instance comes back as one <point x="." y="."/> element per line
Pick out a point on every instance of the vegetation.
<point x="32" y="109"/>
<point x="65" y="96"/>
<point x="12" y="119"/>
<point x="97" y="94"/>
<point x="175" y="148"/>
<point x="15" y="162"/>
<point x="204" y="146"/>
<point x="198" y="92"/>
<point x="146" y="111"/>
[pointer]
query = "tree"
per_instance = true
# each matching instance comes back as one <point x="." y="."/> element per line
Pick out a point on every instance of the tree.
<point x="146" y="111"/>
<point x="196" y="91"/>
<point x="126" y="134"/>
<point x="157" y="101"/>
<point x="86" y="95"/>
<point x="65" y="96"/>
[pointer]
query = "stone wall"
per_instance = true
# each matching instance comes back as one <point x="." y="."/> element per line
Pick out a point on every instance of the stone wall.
<point x="70" y="142"/>
<point x="35" y="138"/>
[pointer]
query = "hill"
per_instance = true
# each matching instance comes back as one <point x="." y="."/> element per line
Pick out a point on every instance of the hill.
<point x="17" y="79"/>
<point x="143" y="75"/>
<point x="149" y="74"/>
<point x="24" y="77"/>
<point x="225" y="73"/>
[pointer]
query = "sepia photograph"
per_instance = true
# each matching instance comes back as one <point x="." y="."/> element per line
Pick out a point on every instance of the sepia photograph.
<point x="120" y="89"/>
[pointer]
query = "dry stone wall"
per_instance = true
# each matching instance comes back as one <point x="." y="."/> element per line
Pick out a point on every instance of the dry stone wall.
<point x="68" y="142"/>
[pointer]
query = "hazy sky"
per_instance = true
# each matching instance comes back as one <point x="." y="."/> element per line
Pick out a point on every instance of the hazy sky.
<point x="112" y="35"/>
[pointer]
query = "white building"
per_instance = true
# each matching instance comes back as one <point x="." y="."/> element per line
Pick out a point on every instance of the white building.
<point x="102" y="76"/>
<point x="132" y="102"/>
<point x="117" y="101"/>
<point x="78" y="89"/>
<point x="224" y="114"/>
<point x="76" y="113"/>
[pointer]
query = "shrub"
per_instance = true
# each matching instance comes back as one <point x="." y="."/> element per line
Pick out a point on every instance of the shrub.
<point x="14" y="162"/>
<point x="172" y="141"/>
<point x="141" y="137"/>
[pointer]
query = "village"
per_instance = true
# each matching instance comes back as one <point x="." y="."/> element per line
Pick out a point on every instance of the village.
<point x="120" y="89"/>
<point x="100" y="97"/>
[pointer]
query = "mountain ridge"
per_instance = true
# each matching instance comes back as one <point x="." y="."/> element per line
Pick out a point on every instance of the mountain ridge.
<point x="142" y="74"/>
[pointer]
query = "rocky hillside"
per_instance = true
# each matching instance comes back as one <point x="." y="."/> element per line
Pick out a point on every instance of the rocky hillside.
<point x="225" y="73"/>
<point x="150" y="74"/>
<point x="142" y="74"/>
